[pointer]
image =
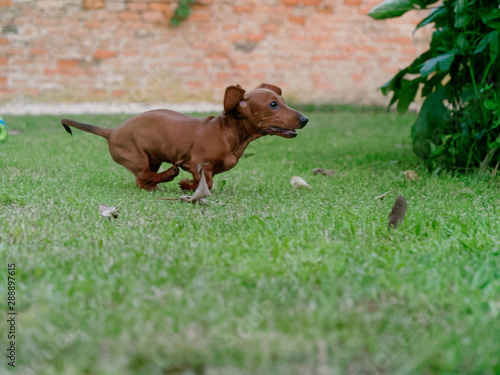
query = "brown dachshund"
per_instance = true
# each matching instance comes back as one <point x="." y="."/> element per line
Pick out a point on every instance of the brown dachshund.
<point x="145" y="141"/>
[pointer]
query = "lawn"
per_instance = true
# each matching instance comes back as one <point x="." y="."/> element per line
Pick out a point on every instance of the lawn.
<point x="271" y="281"/>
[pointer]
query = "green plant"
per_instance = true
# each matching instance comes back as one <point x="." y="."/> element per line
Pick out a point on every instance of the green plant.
<point x="458" y="125"/>
<point x="182" y="12"/>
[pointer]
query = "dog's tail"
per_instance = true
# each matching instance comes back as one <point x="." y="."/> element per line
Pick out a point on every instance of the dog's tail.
<point x="103" y="132"/>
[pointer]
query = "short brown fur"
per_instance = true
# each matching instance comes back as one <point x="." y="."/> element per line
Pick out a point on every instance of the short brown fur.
<point x="142" y="143"/>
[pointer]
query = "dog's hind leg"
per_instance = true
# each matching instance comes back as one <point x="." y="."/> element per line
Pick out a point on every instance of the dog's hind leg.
<point x="148" y="179"/>
<point x="140" y="164"/>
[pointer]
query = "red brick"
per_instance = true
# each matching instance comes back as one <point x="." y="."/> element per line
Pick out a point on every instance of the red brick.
<point x="241" y="67"/>
<point x="5" y="3"/>
<point x="258" y="77"/>
<point x="93" y="4"/>
<point x="409" y="51"/>
<point x="229" y="26"/>
<point x="300" y="20"/>
<point x="253" y="37"/>
<point x="198" y="16"/>
<point x="299" y="38"/>
<point x="390" y="69"/>
<point x="354" y="3"/>
<point x="323" y="85"/>
<point x="317" y="58"/>
<point x="4" y="61"/>
<point x="104" y="54"/>
<point x="92" y="24"/>
<point x="290" y="3"/>
<point x="368" y="49"/>
<point x="236" y="37"/>
<point x="4" y="41"/>
<point x="153" y="16"/>
<point x="282" y="66"/>
<point x="242" y="9"/>
<point x="402" y="40"/>
<point x="65" y="64"/>
<point x="199" y="66"/>
<point x="119" y="93"/>
<point x="217" y="56"/>
<point x="50" y="72"/>
<point x="205" y="27"/>
<point x="224" y="76"/>
<point x="196" y="85"/>
<point x="128" y="16"/>
<point x="270" y="28"/>
<point x="326" y="10"/>
<point x="318" y="38"/>
<point x="162" y="7"/>
<point x="133" y="52"/>
<point x="137" y="6"/>
<point x="363" y="58"/>
<point x="6" y="92"/>
<point x="3" y="80"/>
<point x="200" y="45"/>
<point x="264" y="9"/>
<point x="357" y="77"/>
<point x="311" y="2"/>
<point x="97" y="93"/>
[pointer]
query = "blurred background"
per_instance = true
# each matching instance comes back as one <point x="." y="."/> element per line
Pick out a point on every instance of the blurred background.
<point x="147" y="51"/>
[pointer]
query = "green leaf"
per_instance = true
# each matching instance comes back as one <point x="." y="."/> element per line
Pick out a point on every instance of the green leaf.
<point x="407" y="94"/>
<point x="462" y="44"/>
<point x="395" y="83"/>
<point x="490" y="104"/>
<point x="431" y="84"/>
<point x="494" y="47"/>
<point x="424" y="3"/>
<point x="433" y="17"/>
<point x="391" y="9"/>
<point x="440" y="63"/>
<point x="486" y="40"/>
<point x="492" y="19"/>
<point x="461" y="16"/>
<point x="430" y="123"/>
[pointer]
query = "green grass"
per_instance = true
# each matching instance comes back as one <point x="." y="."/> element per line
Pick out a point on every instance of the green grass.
<point x="274" y="281"/>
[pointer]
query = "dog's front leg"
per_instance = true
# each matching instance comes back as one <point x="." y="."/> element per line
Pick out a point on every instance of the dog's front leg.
<point x="192" y="185"/>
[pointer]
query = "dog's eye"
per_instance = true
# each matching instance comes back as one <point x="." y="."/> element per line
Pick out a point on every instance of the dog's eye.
<point x="273" y="105"/>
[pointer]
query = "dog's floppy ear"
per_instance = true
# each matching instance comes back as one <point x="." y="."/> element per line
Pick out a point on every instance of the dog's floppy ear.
<point x="276" y="89"/>
<point x="232" y="98"/>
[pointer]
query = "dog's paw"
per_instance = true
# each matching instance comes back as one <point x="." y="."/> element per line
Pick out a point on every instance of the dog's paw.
<point x="174" y="170"/>
<point x="188" y="185"/>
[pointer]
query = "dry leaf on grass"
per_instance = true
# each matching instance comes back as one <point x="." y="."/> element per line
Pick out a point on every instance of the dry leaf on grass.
<point x="298" y="183"/>
<point x="324" y="172"/>
<point x="398" y="212"/>
<point x="106" y="211"/>
<point x="410" y="175"/>
<point x="201" y="192"/>
<point x="382" y="196"/>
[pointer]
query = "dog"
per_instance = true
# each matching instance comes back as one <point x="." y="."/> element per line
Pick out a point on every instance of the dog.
<point x="142" y="143"/>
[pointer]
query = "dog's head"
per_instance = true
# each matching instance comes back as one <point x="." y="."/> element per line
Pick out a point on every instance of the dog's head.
<point x="264" y="109"/>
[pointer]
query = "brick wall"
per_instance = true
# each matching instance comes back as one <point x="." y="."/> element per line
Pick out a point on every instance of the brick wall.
<point x="125" y="50"/>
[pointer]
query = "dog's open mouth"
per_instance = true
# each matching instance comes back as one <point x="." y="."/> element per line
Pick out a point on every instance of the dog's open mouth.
<point x="287" y="133"/>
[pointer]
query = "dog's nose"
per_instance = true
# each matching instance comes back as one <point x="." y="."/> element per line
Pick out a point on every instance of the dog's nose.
<point x="303" y="120"/>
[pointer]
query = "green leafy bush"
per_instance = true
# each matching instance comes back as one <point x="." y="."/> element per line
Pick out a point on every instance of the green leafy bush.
<point x="458" y="126"/>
